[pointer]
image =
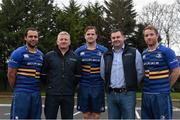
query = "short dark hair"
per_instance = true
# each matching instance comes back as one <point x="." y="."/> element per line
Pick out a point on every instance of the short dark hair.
<point x="90" y="27"/>
<point x="30" y="28"/>
<point x="151" y="27"/>
<point x="117" y="30"/>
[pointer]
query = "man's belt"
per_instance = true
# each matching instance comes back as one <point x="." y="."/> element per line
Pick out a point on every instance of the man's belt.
<point x="118" y="90"/>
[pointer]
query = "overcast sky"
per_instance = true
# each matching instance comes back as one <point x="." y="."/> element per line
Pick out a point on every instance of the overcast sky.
<point x="138" y="4"/>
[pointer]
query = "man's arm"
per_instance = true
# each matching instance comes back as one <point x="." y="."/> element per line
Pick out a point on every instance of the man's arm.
<point x="173" y="64"/>
<point x="174" y="75"/>
<point x="12" y="76"/>
<point x="78" y="71"/>
<point x="139" y="66"/>
<point x="44" y="70"/>
<point x="102" y="68"/>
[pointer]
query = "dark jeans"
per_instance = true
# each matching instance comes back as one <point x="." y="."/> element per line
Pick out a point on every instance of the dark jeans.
<point x="121" y="105"/>
<point x="53" y="102"/>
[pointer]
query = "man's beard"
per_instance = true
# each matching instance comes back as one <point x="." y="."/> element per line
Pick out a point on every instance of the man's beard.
<point x="32" y="46"/>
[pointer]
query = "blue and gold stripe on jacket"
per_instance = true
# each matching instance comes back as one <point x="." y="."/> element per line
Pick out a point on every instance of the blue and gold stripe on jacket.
<point x="89" y="69"/>
<point x="28" y="72"/>
<point x="157" y="74"/>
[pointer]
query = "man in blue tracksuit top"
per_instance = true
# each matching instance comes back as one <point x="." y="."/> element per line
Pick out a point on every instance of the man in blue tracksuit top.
<point x="91" y="86"/>
<point x="24" y="69"/>
<point x="161" y="72"/>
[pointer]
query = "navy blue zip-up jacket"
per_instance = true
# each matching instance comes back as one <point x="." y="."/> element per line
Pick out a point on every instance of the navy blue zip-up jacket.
<point x="62" y="72"/>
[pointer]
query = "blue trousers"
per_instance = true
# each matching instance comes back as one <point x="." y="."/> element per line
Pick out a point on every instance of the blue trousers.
<point x="156" y="106"/>
<point x="121" y="105"/>
<point x="26" y="106"/>
<point x="91" y="99"/>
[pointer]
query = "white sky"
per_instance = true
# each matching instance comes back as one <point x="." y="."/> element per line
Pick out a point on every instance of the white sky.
<point x="138" y="4"/>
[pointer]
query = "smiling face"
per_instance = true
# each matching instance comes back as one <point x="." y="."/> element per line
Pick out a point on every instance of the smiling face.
<point x="63" y="41"/>
<point x="31" y="38"/>
<point x="150" y="37"/>
<point x="117" y="39"/>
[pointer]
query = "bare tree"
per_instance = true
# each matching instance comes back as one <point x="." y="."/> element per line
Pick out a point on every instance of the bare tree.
<point x="165" y="18"/>
<point x="178" y="2"/>
<point x="177" y="31"/>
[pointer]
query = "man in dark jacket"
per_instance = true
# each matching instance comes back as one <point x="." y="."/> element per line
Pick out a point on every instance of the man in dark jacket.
<point x="62" y="70"/>
<point x="122" y="69"/>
